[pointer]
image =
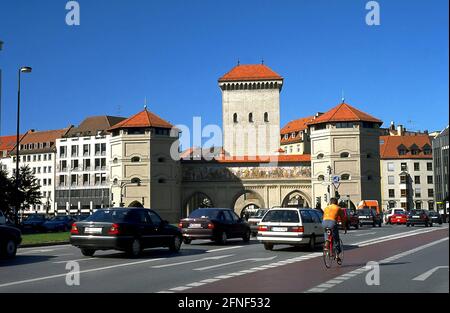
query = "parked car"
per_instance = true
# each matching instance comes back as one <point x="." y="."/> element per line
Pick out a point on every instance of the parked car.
<point x="124" y="229"/>
<point x="291" y="226"/>
<point x="435" y="217"/>
<point x="369" y="216"/>
<point x="10" y="239"/>
<point x="351" y="219"/>
<point x="214" y="223"/>
<point x="254" y="220"/>
<point x="80" y="217"/>
<point x="419" y="217"/>
<point x="59" y="223"/>
<point x="34" y="223"/>
<point x="2" y="218"/>
<point x="397" y="216"/>
<point x="391" y="212"/>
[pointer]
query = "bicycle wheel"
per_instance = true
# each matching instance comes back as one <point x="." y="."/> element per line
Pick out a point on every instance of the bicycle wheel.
<point x="341" y="255"/>
<point x="327" y="257"/>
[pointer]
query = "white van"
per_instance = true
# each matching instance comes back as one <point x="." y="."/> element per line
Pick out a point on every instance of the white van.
<point x="291" y="226"/>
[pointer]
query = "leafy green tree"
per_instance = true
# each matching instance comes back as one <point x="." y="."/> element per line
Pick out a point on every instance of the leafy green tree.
<point x="5" y="192"/>
<point x="28" y="192"/>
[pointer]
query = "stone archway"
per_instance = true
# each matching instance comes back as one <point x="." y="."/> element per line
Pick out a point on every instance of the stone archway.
<point x="195" y="201"/>
<point x="295" y="198"/>
<point x="247" y="200"/>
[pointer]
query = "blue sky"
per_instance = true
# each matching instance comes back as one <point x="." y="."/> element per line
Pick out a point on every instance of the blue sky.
<point x="173" y="52"/>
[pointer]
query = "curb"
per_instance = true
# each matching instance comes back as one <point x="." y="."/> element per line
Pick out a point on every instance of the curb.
<point x="46" y="244"/>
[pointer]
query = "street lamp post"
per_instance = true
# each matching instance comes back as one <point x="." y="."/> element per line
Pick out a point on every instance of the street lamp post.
<point x="24" y="69"/>
<point x="123" y="184"/>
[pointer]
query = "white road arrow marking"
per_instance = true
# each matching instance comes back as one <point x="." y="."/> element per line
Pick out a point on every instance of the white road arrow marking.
<point x="427" y="274"/>
<point x="194" y="261"/>
<point x="234" y="262"/>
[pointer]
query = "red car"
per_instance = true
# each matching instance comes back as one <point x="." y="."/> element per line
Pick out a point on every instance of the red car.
<point x="350" y="219"/>
<point x="398" y="218"/>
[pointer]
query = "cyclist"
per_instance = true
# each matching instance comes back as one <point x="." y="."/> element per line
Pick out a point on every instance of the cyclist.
<point x="330" y="216"/>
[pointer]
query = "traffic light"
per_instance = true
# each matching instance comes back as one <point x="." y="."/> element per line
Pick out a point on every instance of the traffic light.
<point x="337" y="195"/>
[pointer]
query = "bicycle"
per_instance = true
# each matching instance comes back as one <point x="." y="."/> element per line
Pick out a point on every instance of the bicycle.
<point x="330" y="254"/>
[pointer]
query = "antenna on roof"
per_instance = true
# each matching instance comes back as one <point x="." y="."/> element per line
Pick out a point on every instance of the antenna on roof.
<point x="262" y="61"/>
<point x="343" y="96"/>
<point x="239" y="62"/>
<point x="145" y="103"/>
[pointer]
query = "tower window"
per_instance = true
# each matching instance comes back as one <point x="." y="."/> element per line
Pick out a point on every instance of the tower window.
<point x="344" y="155"/>
<point x="345" y="177"/>
<point x="250" y="118"/>
<point x="235" y="118"/>
<point x="135" y="159"/>
<point x="266" y="117"/>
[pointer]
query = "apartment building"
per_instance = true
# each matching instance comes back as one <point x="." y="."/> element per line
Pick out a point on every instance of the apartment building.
<point x="407" y="171"/>
<point x="37" y="150"/>
<point x="440" y="157"/>
<point x="295" y="136"/>
<point x="82" y="174"/>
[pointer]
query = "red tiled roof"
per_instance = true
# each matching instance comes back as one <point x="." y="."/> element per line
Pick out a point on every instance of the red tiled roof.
<point x="260" y="159"/>
<point x="44" y="136"/>
<point x="344" y="113"/>
<point x="250" y="72"/>
<point x="389" y="146"/>
<point x="295" y="126"/>
<point x="7" y="143"/>
<point x="143" y="119"/>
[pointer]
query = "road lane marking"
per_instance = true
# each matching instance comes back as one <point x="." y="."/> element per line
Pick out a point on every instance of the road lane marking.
<point x="79" y="272"/>
<point x="78" y="260"/>
<point x="336" y="280"/>
<point x="223" y="249"/>
<point x="194" y="261"/>
<point x="427" y="274"/>
<point x="234" y="262"/>
<point x="365" y="234"/>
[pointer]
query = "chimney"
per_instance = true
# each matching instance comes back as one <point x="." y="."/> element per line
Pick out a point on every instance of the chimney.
<point x="400" y="130"/>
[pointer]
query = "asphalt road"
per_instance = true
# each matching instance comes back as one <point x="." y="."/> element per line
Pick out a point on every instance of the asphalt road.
<point x="239" y="267"/>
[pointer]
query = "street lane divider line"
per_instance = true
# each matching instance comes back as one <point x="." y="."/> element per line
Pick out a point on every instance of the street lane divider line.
<point x="79" y="272"/>
<point x="194" y="261"/>
<point x="428" y="273"/>
<point x="234" y="262"/>
<point x="340" y="279"/>
<point x="224" y="249"/>
<point x="79" y="260"/>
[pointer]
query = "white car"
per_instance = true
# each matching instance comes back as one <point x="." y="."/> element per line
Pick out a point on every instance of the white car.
<point x="390" y="212"/>
<point x="291" y="226"/>
<point x="2" y="218"/>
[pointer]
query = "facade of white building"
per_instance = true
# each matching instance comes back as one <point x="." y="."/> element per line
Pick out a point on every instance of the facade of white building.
<point x="37" y="150"/>
<point x="82" y="173"/>
<point x="407" y="172"/>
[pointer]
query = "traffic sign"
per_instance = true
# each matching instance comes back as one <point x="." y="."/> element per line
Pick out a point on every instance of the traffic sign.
<point x="336" y="181"/>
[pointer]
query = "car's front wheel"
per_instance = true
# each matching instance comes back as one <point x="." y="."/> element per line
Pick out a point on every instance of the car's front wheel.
<point x="87" y="252"/>
<point x="175" y="245"/>
<point x="268" y="246"/>
<point x="187" y="241"/>
<point x="312" y="243"/>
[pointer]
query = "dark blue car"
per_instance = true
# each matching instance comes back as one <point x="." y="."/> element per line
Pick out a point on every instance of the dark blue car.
<point x="58" y="223"/>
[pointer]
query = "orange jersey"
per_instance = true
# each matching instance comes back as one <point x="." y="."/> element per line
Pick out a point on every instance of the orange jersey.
<point x="331" y="212"/>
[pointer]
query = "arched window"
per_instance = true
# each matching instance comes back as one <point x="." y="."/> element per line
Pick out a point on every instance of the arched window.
<point x="345" y="177"/>
<point x="321" y="178"/>
<point x="320" y="156"/>
<point x="115" y="160"/>
<point x="135" y="159"/>
<point x="161" y="160"/>
<point x="136" y="181"/>
<point x="235" y="118"/>
<point x="161" y="181"/>
<point x="345" y="155"/>
<point x="250" y="117"/>
<point x="266" y="117"/>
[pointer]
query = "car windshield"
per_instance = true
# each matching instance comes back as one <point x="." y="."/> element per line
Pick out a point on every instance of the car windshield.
<point x="205" y="213"/>
<point x="281" y="216"/>
<point x="418" y="212"/>
<point x="58" y="218"/>
<point x="109" y="216"/>
<point x="399" y="212"/>
<point x="365" y="211"/>
<point x="259" y="213"/>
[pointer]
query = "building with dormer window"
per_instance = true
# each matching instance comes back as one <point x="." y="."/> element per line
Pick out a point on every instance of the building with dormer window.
<point x="407" y="171"/>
